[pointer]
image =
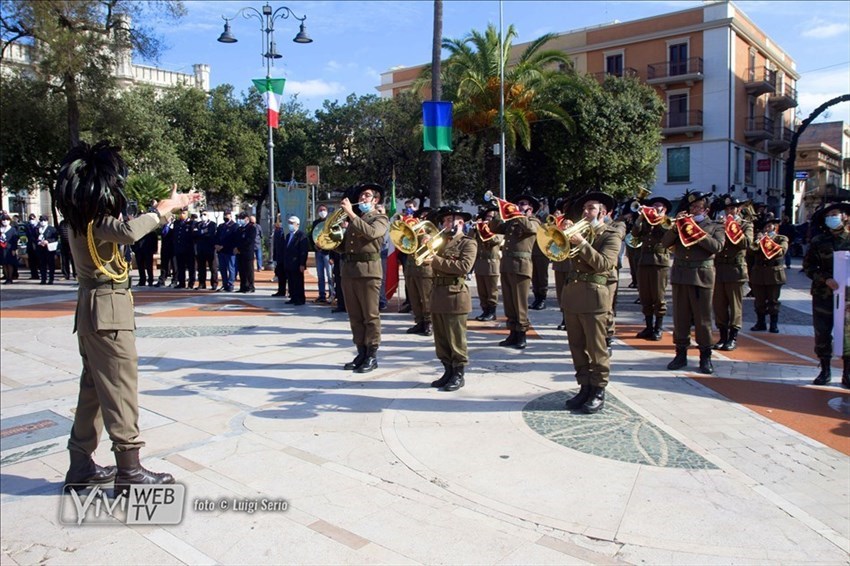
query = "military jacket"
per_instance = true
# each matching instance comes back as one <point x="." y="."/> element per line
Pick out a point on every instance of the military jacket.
<point x="652" y="251"/>
<point x="731" y="264"/>
<point x="621" y="229"/>
<point x="563" y="266"/>
<point x="413" y="271"/>
<point x="102" y="305"/>
<point x="450" y="295"/>
<point x="587" y="289"/>
<point x="769" y="271"/>
<point x="520" y="238"/>
<point x="361" y="245"/>
<point x="695" y="265"/>
<point x="489" y="255"/>
<point x="817" y="265"/>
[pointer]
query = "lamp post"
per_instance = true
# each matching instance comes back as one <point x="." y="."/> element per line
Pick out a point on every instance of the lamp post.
<point x="267" y="17"/>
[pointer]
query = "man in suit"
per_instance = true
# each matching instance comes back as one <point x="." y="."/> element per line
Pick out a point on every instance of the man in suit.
<point x="586" y="300"/>
<point x="225" y="244"/>
<point x="692" y="277"/>
<point x="361" y="272"/>
<point x="246" y="238"/>
<point x="204" y="236"/>
<point x="279" y="236"/>
<point x="145" y="248"/>
<point x="166" y="254"/>
<point x="294" y="257"/>
<point x="46" y="244"/>
<point x="654" y="270"/>
<point x="31" y="232"/>
<point x="450" y="300"/>
<point x="88" y="194"/>
<point x="731" y="272"/>
<point x="184" y="250"/>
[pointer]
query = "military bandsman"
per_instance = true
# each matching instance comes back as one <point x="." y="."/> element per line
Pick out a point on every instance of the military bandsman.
<point x="654" y="261"/>
<point x="486" y="266"/>
<point x="767" y="274"/>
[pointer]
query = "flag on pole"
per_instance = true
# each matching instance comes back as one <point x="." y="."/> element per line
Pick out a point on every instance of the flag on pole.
<point x="437" y="126"/>
<point x="272" y="92"/>
<point x="392" y="252"/>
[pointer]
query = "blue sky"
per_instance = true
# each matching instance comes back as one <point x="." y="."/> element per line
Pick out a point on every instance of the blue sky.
<point x="354" y="42"/>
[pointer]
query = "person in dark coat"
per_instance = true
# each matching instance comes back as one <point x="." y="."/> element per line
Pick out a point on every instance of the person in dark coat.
<point x="279" y="238"/>
<point x="166" y="253"/>
<point x="8" y="248"/>
<point x="46" y="245"/>
<point x="294" y="256"/>
<point x="68" y="268"/>
<point x="225" y="244"/>
<point x="145" y="249"/>
<point x="204" y="237"/>
<point x="246" y="238"/>
<point x="31" y="234"/>
<point x="184" y="251"/>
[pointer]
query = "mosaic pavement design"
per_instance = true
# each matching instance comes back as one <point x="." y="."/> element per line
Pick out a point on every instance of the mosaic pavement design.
<point x="189" y="331"/>
<point x="616" y="433"/>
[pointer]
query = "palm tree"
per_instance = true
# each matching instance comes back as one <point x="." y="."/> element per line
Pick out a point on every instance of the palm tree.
<point x="471" y="79"/>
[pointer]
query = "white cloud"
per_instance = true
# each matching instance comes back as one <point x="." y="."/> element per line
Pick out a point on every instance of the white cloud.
<point x="818" y="28"/>
<point x="314" y="87"/>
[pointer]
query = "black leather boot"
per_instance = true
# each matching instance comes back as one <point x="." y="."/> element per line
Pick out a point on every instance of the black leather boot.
<point x="732" y="342"/>
<point x="426" y="329"/>
<point x="595" y="401"/>
<point x="539" y="303"/>
<point x="825" y="375"/>
<point x="577" y="400"/>
<point x="131" y="472"/>
<point x="445" y="377"/>
<point x="656" y="330"/>
<point x="416" y="328"/>
<point x="358" y="360"/>
<point x="457" y="381"/>
<point x="563" y="325"/>
<point x="489" y="314"/>
<point x="83" y="470"/>
<point x="724" y="337"/>
<point x="646" y="333"/>
<point x="681" y="358"/>
<point x="483" y="316"/>
<point x="520" y="340"/>
<point x="371" y="361"/>
<point x="760" y="325"/>
<point x="510" y="341"/>
<point x="845" y="375"/>
<point x="705" y="361"/>
<point x="774" y="323"/>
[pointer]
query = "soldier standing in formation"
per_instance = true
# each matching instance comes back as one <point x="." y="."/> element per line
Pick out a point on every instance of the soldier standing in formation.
<point x="361" y="273"/>
<point x="586" y="301"/>
<point x="767" y="274"/>
<point x="692" y="277"/>
<point x="818" y="267"/>
<point x="654" y="270"/>
<point x="418" y="280"/>
<point x="486" y="266"/>
<point x="450" y="299"/>
<point x="731" y="273"/>
<point x="539" y="277"/>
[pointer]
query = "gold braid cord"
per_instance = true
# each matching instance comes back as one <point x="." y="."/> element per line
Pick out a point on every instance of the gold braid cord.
<point x="123" y="271"/>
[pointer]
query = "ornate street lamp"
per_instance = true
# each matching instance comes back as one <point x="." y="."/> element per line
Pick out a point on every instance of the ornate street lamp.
<point x="267" y="17"/>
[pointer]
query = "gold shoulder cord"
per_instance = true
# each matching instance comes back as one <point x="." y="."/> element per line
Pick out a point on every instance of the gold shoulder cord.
<point x="123" y="268"/>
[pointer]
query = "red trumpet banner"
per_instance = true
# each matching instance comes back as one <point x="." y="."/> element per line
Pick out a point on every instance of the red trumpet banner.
<point x="769" y="248"/>
<point x="733" y="230"/>
<point x="508" y="210"/>
<point x="652" y="216"/>
<point x="689" y="231"/>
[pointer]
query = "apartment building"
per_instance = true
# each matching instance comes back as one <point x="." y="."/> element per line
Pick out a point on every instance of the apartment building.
<point x="822" y="166"/>
<point x="729" y="91"/>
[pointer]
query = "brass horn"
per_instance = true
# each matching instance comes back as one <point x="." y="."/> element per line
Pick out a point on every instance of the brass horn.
<point x="408" y="234"/>
<point x="639" y="197"/>
<point x="328" y="235"/>
<point x="554" y="240"/>
<point x="431" y="244"/>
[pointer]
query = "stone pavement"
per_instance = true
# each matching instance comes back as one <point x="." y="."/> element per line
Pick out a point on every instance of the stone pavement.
<point x="243" y="399"/>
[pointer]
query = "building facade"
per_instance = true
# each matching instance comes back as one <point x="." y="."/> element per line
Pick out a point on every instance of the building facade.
<point x="729" y="92"/>
<point x="822" y="166"/>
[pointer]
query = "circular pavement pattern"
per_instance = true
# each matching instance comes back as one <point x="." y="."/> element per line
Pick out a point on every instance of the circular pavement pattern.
<point x="616" y="432"/>
<point x="188" y="331"/>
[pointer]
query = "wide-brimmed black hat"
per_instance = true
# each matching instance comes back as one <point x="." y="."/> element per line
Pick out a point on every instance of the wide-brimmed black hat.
<point x="535" y="204"/>
<point x="452" y="210"/>
<point x="600" y="197"/>
<point x="422" y="213"/>
<point x="357" y="189"/>
<point x="489" y="207"/>
<point x="759" y="224"/>
<point x="655" y="200"/>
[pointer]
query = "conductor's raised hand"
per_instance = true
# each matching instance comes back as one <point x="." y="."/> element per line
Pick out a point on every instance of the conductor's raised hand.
<point x="177" y="200"/>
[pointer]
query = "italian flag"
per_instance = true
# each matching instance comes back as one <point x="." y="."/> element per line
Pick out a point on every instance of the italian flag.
<point x="392" y="253"/>
<point x="272" y="92"/>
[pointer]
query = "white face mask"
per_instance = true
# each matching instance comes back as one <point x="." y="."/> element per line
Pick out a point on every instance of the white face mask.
<point x="43" y="223"/>
<point x="6" y="223"/>
<point x="699" y="217"/>
<point x="323" y="214"/>
<point x="33" y="222"/>
<point x="204" y="217"/>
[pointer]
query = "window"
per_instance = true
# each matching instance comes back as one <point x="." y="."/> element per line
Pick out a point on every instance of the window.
<point x="737" y="164"/>
<point x="678" y="165"/>
<point x="614" y="65"/>
<point x="749" y="167"/>
<point x="752" y="68"/>
<point x="678" y="59"/>
<point x="677" y="106"/>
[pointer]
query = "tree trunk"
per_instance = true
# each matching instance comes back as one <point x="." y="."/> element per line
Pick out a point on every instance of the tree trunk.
<point x="71" y="95"/>
<point x="436" y="166"/>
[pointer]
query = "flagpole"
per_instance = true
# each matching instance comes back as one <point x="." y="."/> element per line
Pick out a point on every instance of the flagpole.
<point x="502" y="189"/>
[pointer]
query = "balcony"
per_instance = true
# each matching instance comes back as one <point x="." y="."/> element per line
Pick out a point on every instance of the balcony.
<point x="626" y="72"/>
<point x="758" y="128"/>
<point x="760" y="80"/>
<point x="783" y="100"/>
<point x="669" y="72"/>
<point x="781" y="140"/>
<point x="688" y="123"/>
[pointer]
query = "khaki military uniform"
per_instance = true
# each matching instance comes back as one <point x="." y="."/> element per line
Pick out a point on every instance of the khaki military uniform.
<point x="614" y="279"/>
<point x="586" y="303"/>
<point x="817" y="265"/>
<point x="539" y="273"/>
<point x="486" y="270"/>
<point x="361" y="276"/>
<point x="767" y="276"/>
<point x="105" y="325"/>
<point x="654" y="272"/>
<point x="562" y="270"/>
<point x="730" y="275"/>
<point x="450" y="299"/>
<point x="692" y="278"/>
<point x="419" y="279"/>
<point x="515" y="268"/>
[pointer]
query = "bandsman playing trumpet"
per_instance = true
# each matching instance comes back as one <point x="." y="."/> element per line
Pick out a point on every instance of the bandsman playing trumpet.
<point x="586" y="300"/>
<point x="731" y="271"/>
<point x="654" y="261"/>
<point x="418" y="281"/>
<point x="563" y="267"/>
<point x="362" y="272"/>
<point x="450" y="299"/>
<point x="695" y="239"/>
<point x="486" y="266"/>
<point x="767" y="275"/>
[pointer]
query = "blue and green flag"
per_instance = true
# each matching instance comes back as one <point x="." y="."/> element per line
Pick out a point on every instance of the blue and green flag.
<point x="437" y="122"/>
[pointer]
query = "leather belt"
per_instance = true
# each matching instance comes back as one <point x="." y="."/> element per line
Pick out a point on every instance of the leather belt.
<point x="692" y="264"/>
<point x="589" y="278"/>
<point x="361" y="257"/>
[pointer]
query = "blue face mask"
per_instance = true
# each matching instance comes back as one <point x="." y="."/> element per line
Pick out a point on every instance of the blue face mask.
<point x="408" y="211"/>
<point x="365" y="206"/>
<point x="241" y="222"/>
<point x="292" y="228"/>
<point x="699" y="217"/>
<point x="833" y="222"/>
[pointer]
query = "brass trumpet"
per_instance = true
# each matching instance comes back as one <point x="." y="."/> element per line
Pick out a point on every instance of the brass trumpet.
<point x="331" y="231"/>
<point x="641" y="196"/>
<point x="553" y="238"/>
<point x="430" y="246"/>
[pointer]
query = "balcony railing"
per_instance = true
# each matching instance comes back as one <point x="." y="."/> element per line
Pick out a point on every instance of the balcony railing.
<point x="758" y="128"/>
<point x="688" y="123"/>
<point x="784" y="99"/>
<point x="688" y="71"/>
<point x="781" y="140"/>
<point x="760" y="80"/>
<point x="626" y="72"/>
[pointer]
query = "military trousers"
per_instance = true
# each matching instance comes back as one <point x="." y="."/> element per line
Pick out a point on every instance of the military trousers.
<point x="109" y="392"/>
<point x="362" y="295"/>
<point x="691" y="305"/>
<point x="419" y="295"/>
<point x="515" y="288"/>
<point x="634" y="264"/>
<point x="610" y="326"/>
<point x="728" y="303"/>
<point x="652" y="286"/>
<point x="488" y="290"/>
<point x="450" y="338"/>
<point x="767" y="299"/>
<point x="586" y="336"/>
<point x="539" y="275"/>
<point x="822" y="319"/>
<point x="560" y="282"/>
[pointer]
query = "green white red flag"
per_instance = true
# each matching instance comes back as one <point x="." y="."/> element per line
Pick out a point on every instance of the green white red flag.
<point x="272" y="93"/>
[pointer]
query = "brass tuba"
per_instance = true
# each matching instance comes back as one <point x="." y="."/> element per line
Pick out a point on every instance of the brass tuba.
<point x="328" y="235"/>
<point x="553" y="238"/>
<point x="408" y="234"/>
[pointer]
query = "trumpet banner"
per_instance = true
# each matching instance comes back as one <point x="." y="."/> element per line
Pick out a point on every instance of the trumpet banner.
<point x="484" y="232"/>
<point x="689" y="231"/>
<point x="733" y="230"/>
<point x="652" y="216"/>
<point x="769" y="248"/>
<point x="508" y="210"/>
